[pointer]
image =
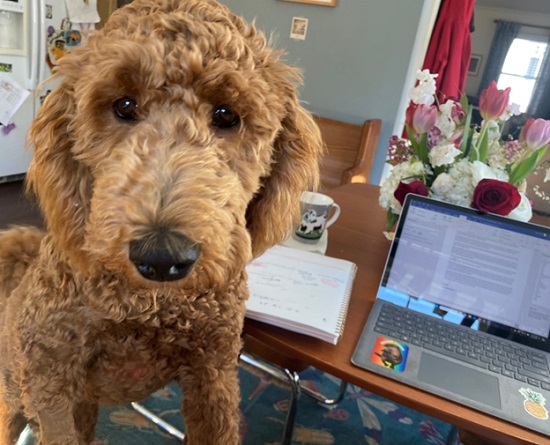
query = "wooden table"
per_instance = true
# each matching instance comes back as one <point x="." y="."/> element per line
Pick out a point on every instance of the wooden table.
<point x="357" y="236"/>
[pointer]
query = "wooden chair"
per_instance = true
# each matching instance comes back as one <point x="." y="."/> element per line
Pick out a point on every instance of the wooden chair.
<point x="351" y="151"/>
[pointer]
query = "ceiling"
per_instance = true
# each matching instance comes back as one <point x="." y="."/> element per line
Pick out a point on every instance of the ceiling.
<point x="521" y="5"/>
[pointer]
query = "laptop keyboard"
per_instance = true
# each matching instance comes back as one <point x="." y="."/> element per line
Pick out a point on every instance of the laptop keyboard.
<point x="500" y="357"/>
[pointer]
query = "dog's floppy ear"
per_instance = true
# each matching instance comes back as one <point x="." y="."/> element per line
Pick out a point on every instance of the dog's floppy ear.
<point x="60" y="182"/>
<point x="295" y="168"/>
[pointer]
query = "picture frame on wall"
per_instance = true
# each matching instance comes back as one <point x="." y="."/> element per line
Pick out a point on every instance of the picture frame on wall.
<point x="299" y="28"/>
<point x="475" y="63"/>
<point x="316" y="2"/>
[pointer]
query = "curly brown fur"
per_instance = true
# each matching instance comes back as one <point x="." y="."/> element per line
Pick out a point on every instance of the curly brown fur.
<point x="84" y="317"/>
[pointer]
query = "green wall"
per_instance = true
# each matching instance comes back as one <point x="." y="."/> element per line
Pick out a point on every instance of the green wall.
<point x="354" y="58"/>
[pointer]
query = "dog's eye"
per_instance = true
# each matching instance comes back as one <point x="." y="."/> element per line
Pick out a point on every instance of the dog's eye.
<point x="224" y="116"/>
<point x="125" y="108"/>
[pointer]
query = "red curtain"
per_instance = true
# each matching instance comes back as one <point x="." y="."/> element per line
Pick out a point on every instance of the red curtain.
<point x="450" y="48"/>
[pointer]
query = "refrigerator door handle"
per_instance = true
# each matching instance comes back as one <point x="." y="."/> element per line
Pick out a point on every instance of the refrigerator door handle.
<point x="37" y="26"/>
<point x="42" y="42"/>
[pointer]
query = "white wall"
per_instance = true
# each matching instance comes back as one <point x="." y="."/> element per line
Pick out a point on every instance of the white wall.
<point x="355" y="58"/>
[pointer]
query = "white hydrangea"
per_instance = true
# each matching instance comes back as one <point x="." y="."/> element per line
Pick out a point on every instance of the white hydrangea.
<point x="443" y="154"/>
<point x="406" y="171"/>
<point x="481" y="171"/>
<point x="457" y="186"/>
<point x="424" y="92"/>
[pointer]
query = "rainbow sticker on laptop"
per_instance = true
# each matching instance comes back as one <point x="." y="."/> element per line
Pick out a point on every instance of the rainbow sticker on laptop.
<point x="390" y="354"/>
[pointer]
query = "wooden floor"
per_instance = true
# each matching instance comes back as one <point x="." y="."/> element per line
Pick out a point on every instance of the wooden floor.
<point x="15" y="207"/>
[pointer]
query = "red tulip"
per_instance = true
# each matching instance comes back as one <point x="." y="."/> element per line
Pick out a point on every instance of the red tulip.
<point x="493" y="102"/>
<point x="424" y="118"/>
<point x="535" y="133"/>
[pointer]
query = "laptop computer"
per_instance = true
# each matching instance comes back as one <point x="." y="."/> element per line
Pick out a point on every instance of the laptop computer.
<point x="463" y="311"/>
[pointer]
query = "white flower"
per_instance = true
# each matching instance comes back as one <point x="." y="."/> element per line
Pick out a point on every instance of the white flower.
<point x="481" y="171"/>
<point x="547" y="175"/>
<point x="443" y="184"/>
<point x="512" y="110"/>
<point x="423" y="93"/>
<point x="523" y="211"/>
<point x="443" y="154"/>
<point x="444" y="120"/>
<point x="493" y="131"/>
<point x="456" y="185"/>
<point x="496" y="157"/>
<point x="406" y="171"/>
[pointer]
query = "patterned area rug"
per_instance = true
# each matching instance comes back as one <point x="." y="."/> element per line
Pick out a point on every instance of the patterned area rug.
<point x="361" y="418"/>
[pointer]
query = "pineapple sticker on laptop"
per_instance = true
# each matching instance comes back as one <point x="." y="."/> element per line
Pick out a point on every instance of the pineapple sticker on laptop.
<point x="534" y="403"/>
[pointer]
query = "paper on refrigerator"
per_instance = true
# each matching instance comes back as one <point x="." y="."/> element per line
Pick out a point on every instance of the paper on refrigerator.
<point x="82" y="12"/>
<point x="12" y="96"/>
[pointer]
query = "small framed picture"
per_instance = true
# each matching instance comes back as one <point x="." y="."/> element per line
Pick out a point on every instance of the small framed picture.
<point x="475" y="62"/>
<point x="299" y="28"/>
<point x="315" y="2"/>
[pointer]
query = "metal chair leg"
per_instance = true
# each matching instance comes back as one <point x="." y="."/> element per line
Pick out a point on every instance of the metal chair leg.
<point x="290" y="377"/>
<point x="159" y="422"/>
<point x="293" y="380"/>
<point x="325" y="401"/>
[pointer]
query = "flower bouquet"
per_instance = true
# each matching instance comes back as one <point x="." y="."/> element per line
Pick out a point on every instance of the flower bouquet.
<point x="447" y="158"/>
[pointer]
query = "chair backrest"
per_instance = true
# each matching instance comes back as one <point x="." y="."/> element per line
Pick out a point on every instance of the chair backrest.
<point x="350" y="151"/>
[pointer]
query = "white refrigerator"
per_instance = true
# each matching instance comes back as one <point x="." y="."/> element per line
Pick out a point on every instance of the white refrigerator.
<point x="34" y="34"/>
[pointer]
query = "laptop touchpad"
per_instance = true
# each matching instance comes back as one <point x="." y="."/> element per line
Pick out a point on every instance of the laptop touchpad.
<point x="459" y="379"/>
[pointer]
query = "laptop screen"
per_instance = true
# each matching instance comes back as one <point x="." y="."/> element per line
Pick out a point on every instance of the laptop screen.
<point x="478" y="270"/>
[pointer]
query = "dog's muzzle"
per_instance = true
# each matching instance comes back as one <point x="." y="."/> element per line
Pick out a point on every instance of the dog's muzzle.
<point x="163" y="255"/>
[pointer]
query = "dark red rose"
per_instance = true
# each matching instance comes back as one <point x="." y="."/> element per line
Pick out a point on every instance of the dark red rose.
<point x="403" y="189"/>
<point x="494" y="196"/>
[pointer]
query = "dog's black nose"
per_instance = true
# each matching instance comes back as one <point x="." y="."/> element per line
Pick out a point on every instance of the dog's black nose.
<point x="164" y="255"/>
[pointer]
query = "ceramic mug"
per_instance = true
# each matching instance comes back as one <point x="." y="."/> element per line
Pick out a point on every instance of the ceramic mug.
<point x="316" y="217"/>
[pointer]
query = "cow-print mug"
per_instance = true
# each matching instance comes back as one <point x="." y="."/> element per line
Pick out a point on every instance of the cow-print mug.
<point x="316" y="210"/>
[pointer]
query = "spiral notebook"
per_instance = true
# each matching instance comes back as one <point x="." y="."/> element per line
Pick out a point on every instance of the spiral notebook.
<point x="301" y="291"/>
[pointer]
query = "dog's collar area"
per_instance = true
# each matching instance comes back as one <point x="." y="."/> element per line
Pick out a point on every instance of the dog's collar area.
<point x="164" y="256"/>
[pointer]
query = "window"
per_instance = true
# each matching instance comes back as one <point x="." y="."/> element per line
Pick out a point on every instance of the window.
<point x="521" y="69"/>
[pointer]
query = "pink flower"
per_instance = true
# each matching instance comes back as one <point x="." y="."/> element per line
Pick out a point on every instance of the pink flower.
<point x="424" y="118"/>
<point x="434" y="137"/>
<point x="535" y="134"/>
<point x="457" y="113"/>
<point x="512" y="150"/>
<point x="493" y="102"/>
<point x="399" y="150"/>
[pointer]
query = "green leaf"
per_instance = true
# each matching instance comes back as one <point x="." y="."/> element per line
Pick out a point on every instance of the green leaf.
<point x="420" y="148"/>
<point x="391" y="220"/>
<point x="423" y="149"/>
<point x="474" y="153"/>
<point x="465" y="105"/>
<point x="521" y="170"/>
<point x="412" y="139"/>
<point x="467" y="134"/>
<point x="483" y="146"/>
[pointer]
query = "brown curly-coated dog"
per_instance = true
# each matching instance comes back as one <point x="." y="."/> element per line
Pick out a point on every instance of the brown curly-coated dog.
<point x="174" y="150"/>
